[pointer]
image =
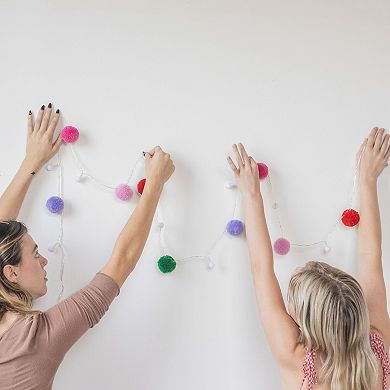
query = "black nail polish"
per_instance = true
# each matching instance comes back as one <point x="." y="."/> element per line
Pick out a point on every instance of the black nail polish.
<point x="29" y="113"/>
<point x="49" y="105"/>
<point x="58" y="110"/>
<point x="43" y="107"/>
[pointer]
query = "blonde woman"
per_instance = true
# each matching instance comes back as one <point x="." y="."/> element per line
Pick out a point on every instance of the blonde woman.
<point x="33" y="344"/>
<point x="337" y="334"/>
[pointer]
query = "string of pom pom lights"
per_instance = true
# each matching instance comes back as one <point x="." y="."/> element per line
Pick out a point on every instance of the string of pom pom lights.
<point x="55" y="205"/>
<point x="124" y="192"/>
<point x="167" y="263"/>
<point x="349" y="217"/>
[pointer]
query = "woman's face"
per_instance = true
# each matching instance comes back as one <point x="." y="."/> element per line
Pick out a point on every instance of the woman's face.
<point x="31" y="275"/>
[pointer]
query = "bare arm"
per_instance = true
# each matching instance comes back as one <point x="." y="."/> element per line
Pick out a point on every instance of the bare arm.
<point x="374" y="156"/>
<point x="40" y="149"/>
<point x="132" y="239"/>
<point x="273" y="314"/>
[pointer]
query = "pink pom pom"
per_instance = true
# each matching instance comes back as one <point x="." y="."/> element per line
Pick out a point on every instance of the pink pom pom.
<point x="282" y="246"/>
<point x="124" y="192"/>
<point x="70" y="134"/>
<point x="263" y="170"/>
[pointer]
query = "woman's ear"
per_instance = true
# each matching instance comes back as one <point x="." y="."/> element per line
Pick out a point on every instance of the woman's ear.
<point x="11" y="273"/>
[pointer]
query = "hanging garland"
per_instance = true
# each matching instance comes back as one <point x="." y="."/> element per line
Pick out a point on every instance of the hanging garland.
<point x="167" y="263"/>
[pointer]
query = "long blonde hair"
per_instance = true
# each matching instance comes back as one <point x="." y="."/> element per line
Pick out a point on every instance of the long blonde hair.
<point x="12" y="297"/>
<point x="332" y="314"/>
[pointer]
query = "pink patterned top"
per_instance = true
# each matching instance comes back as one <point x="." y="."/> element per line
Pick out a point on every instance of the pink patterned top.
<point x="377" y="345"/>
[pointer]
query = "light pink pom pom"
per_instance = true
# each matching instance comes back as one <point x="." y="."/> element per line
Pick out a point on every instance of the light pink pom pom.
<point x="124" y="192"/>
<point x="282" y="246"/>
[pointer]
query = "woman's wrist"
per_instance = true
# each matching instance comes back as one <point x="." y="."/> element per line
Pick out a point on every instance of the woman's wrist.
<point x="252" y="195"/>
<point x="154" y="186"/>
<point x="368" y="180"/>
<point x="30" y="167"/>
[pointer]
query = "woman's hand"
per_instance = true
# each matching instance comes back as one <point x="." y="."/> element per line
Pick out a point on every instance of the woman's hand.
<point x="40" y="146"/>
<point x="159" y="167"/>
<point x="374" y="154"/>
<point x="246" y="171"/>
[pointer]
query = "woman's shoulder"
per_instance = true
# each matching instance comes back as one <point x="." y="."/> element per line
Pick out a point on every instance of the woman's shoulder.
<point x="381" y="335"/>
<point x="18" y="325"/>
<point x="379" y="344"/>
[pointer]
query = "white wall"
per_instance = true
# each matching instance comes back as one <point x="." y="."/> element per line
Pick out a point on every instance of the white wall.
<point x="300" y="83"/>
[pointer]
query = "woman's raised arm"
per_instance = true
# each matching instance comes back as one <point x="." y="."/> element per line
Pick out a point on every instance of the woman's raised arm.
<point x="131" y="241"/>
<point x="40" y="149"/>
<point x="373" y="157"/>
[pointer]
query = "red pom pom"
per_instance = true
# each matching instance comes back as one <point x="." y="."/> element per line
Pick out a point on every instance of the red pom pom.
<point x="350" y="218"/>
<point x="141" y="186"/>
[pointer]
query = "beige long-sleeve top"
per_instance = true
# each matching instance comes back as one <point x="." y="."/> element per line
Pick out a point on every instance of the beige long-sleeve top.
<point x="32" y="349"/>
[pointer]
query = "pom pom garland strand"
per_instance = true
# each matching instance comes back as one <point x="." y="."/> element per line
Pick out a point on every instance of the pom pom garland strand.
<point x="83" y="171"/>
<point x="61" y="230"/>
<point x="326" y="248"/>
<point x="164" y="250"/>
<point x="167" y="263"/>
<point x="60" y="240"/>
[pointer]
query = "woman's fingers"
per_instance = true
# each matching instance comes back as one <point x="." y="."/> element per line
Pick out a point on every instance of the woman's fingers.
<point x="239" y="160"/>
<point x="154" y="150"/>
<point x="57" y="144"/>
<point x="360" y="151"/>
<point x="385" y="145"/>
<point x="46" y="119"/>
<point x="379" y="139"/>
<point x="387" y="156"/>
<point x="29" y="123"/>
<point x="53" y="124"/>
<point x="254" y="165"/>
<point x="232" y="165"/>
<point x="38" y="120"/>
<point x="244" y="154"/>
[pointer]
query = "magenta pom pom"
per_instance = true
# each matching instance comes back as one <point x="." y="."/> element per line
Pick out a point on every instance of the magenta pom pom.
<point x="70" y="134"/>
<point x="263" y="170"/>
<point x="124" y="192"/>
<point x="282" y="246"/>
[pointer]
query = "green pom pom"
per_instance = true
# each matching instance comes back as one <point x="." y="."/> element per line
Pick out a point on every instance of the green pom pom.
<point x="166" y="264"/>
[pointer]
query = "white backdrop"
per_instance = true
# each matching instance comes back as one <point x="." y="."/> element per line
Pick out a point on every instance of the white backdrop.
<point x="300" y="83"/>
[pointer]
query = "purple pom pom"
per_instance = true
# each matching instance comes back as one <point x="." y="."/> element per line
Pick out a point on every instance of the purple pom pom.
<point x="70" y="134"/>
<point x="282" y="246"/>
<point x="124" y="192"/>
<point x="235" y="227"/>
<point x="55" y="204"/>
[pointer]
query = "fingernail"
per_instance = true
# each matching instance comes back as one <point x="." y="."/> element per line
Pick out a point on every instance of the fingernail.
<point x="49" y="105"/>
<point x="29" y="113"/>
<point x="58" y="110"/>
<point x="43" y="107"/>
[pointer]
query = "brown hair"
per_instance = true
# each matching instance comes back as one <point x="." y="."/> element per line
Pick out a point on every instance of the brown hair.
<point x="12" y="297"/>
